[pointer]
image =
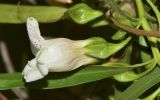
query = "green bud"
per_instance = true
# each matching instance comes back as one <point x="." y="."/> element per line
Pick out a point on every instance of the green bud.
<point x="82" y="13"/>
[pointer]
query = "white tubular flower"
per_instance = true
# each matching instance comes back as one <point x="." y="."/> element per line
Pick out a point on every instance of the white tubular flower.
<point x="54" y="55"/>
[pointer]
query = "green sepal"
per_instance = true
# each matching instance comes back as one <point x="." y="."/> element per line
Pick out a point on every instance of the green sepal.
<point x="100" y="48"/>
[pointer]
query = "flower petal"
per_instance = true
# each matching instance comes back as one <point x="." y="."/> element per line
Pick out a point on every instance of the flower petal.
<point x="34" y="34"/>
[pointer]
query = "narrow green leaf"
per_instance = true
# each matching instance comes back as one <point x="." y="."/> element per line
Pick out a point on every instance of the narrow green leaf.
<point x="127" y="55"/>
<point x="120" y="34"/>
<point x="121" y="64"/>
<point x="19" y="13"/>
<point x="145" y="56"/>
<point x="59" y="80"/>
<point x="99" y="23"/>
<point x="156" y="11"/>
<point x="131" y="75"/>
<point x="140" y="86"/>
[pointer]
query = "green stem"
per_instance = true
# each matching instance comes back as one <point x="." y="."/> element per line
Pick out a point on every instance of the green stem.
<point x="145" y="26"/>
<point x="142" y="15"/>
<point x="156" y="11"/>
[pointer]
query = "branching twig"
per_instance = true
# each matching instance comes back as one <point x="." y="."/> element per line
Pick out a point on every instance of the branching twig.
<point x="6" y="58"/>
<point x="134" y="30"/>
<point x="10" y="68"/>
<point x="2" y="97"/>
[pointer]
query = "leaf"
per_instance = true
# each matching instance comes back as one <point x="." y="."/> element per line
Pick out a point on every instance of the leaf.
<point x="59" y="80"/>
<point x="130" y="75"/>
<point x="99" y="22"/>
<point x="127" y="55"/>
<point x="120" y="34"/>
<point x="19" y="13"/>
<point x="103" y="49"/>
<point x="156" y="11"/>
<point x="140" y="86"/>
<point x="82" y="13"/>
<point x="145" y="56"/>
<point x="122" y="64"/>
<point x="153" y="95"/>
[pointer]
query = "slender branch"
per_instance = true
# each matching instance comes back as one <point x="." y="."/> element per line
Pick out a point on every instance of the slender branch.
<point x="20" y="93"/>
<point x="2" y="97"/>
<point x="134" y="30"/>
<point x="6" y="58"/>
<point x="10" y="68"/>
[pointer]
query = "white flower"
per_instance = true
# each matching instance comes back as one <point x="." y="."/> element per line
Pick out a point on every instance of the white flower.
<point x="54" y="55"/>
